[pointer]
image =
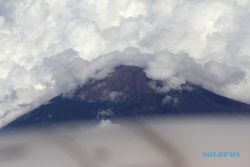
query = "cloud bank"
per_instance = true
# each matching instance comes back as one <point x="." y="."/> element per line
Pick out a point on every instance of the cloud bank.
<point x="48" y="47"/>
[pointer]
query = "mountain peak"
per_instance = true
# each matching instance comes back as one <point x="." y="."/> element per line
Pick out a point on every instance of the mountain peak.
<point x="126" y="93"/>
<point x="124" y="81"/>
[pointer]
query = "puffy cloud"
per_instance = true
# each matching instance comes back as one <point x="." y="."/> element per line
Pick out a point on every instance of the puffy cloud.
<point x="23" y="90"/>
<point x="50" y="46"/>
<point x="177" y="69"/>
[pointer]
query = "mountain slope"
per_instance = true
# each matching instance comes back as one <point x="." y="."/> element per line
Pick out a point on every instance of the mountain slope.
<point x="126" y="93"/>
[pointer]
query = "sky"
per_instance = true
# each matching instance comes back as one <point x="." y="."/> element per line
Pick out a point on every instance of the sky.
<point x="48" y="47"/>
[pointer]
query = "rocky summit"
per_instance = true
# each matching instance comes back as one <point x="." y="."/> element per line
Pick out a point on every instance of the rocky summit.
<point x="128" y="93"/>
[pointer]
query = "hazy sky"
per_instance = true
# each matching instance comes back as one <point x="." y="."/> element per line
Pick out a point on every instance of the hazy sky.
<point x="50" y="46"/>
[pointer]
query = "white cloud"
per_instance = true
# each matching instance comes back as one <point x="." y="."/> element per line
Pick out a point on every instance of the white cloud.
<point x="45" y="45"/>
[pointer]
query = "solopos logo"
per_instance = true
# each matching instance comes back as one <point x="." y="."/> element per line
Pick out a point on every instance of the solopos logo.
<point x="221" y="154"/>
